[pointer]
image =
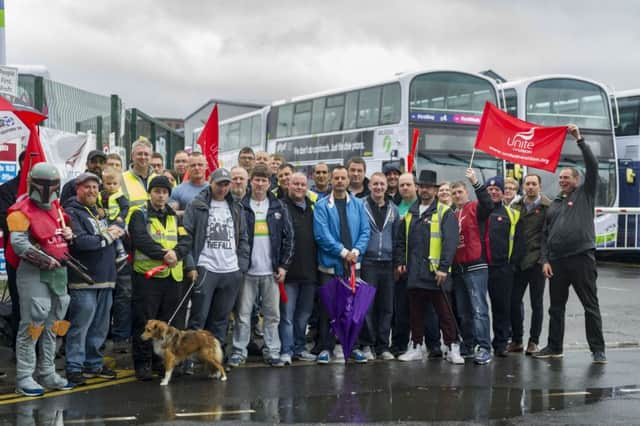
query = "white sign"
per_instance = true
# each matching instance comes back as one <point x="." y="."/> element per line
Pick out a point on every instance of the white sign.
<point x="11" y="127"/>
<point x="8" y="81"/>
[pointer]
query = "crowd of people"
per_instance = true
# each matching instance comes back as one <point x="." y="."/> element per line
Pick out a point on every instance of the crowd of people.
<point x="450" y="274"/>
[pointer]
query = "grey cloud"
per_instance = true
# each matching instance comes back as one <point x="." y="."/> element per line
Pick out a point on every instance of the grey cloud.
<point x="168" y="57"/>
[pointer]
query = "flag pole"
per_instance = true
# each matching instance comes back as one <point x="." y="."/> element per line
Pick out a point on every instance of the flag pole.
<point x="473" y="154"/>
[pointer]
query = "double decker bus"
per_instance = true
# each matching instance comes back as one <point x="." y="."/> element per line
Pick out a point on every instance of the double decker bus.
<point x="558" y="100"/>
<point x="376" y="122"/>
<point x="628" y="146"/>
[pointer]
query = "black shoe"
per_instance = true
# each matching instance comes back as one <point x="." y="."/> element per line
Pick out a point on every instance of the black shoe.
<point x="107" y="373"/>
<point x="435" y="353"/>
<point x="76" y="378"/>
<point x="599" y="357"/>
<point x="144" y="373"/>
<point x="547" y="352"/>
<point x="502" y="353"/>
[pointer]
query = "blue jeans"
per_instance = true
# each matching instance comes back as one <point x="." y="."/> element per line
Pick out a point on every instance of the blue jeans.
<point x="89" y="316"/>
<point x="294" y="316"/>
<point x="471" y="300"/>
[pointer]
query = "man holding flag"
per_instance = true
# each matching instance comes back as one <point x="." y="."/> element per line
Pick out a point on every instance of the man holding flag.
<point x="568" y="254"/>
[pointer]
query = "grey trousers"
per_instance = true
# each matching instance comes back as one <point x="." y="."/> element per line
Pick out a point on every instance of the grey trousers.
<point x="38" y="306"/>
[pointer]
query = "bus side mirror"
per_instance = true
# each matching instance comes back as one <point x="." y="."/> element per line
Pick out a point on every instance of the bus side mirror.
<point x="631" y="176"/>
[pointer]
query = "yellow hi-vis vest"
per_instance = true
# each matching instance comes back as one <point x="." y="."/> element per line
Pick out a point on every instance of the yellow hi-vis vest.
<point x="167" y="237"/>
<point x="134" y="190"/>
<point x="435" y="236"/>
<point x="514" y="217"/>
<point x="113" y="208"/>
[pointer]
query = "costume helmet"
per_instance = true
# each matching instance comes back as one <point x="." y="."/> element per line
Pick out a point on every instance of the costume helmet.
<point x="44" y="185"/>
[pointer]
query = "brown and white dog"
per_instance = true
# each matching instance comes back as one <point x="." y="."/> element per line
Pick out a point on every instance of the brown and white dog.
<point x="174" y="346"/>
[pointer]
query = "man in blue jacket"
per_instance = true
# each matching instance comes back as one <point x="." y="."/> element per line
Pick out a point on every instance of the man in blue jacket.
<point x="341" y="229"/>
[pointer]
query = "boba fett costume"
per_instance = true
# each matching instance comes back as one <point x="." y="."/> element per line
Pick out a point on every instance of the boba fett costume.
<point x="38" y="241"/>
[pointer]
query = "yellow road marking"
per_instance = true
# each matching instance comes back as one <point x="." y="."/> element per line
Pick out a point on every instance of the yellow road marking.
<point x="126" y="376"/>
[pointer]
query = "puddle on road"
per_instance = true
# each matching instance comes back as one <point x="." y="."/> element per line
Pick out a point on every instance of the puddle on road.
<point x="411" y="404"/>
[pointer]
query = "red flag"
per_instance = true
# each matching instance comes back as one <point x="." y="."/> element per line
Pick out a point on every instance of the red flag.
<point x="33" y="155"/>
<point x="209" y="142"/>
<point x="517" y="141"/>
<point x="412" y="154"/>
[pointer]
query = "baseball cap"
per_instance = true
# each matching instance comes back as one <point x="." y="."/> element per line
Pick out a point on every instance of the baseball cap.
<point x="221" y="175"/>
<point x="83" y="177"/>
<point x="96" y="153"/>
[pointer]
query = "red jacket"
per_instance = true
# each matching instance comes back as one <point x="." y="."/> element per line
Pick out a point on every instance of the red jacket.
<point x="471" y="224"/>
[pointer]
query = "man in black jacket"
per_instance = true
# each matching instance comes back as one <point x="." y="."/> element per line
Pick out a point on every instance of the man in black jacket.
<point x="503" y="245"/>
<point x="568" y="254"/>
<point x="159" y="239"/>
<point x="301" y="280"/>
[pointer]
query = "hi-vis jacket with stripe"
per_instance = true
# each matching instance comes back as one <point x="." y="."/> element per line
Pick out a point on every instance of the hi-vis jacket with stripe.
<point x="417" y="243"/>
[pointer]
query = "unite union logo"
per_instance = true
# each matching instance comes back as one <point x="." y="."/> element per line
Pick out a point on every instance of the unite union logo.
<point x="522" y="141"/>
<point x="6" y="121"/>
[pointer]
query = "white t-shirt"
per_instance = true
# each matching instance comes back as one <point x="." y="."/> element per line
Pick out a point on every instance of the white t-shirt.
<point x="261" y="252"/>
<point x="219" y="252"/>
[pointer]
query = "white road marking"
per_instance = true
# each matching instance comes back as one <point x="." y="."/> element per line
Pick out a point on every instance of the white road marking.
<point x="101" y="419"/>
<point x="569" y="393"/>
<point x="614" y="288"/>
<point x="214" y="413"/>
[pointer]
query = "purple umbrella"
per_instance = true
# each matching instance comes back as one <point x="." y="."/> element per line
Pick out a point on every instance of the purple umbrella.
<point x="347" y="302"/>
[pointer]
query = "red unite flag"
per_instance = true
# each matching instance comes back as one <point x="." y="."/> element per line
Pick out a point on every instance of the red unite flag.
<point x="209" y="141"/>
<point x="520" y="142"/>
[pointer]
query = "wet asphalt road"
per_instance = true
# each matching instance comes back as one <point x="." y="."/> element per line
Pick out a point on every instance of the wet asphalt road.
<point x="515" y="390"/>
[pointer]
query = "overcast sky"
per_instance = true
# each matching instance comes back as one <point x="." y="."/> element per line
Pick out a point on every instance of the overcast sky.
<point x="169" y="57"/>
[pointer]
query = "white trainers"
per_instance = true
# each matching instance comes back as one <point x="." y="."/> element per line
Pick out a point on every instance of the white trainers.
<point x="387" y="356"/>
<point x="453" y="354"/>
<point x="368" y="353"/>
<point x="414" y="353"/>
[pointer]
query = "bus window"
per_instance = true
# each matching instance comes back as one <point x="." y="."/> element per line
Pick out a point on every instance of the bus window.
<point x="301" y="119"/>
<point x="256" y="131"/>
<point x="334" y="113"/>
<point x="233" y="135"/>
<point x="629" y="116"/>
<point x="511" y="99"/>
<point x="224" y="141"/>
<point x="245" y="132"/>
<point x="390" y="104"/>
<point x="369" y="107"/>
<point x="351" y="110"/>
<point x="317" y="115"/>
<point x="557" y="102"/>
<point x="285" y="121"/>
<point x="450" y="92"/>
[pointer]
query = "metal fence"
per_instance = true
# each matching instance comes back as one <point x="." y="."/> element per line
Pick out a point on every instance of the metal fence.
<point x="626" y="228"/>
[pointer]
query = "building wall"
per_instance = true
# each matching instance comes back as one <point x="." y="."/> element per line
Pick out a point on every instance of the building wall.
<point x="197" y="120"/>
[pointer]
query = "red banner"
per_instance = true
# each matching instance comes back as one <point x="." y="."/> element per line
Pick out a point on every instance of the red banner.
<point x="209" y="141"/>
<point x="517" y="141"/>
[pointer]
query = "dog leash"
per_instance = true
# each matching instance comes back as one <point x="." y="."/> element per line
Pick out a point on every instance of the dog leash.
<point x="186" y="295"/>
